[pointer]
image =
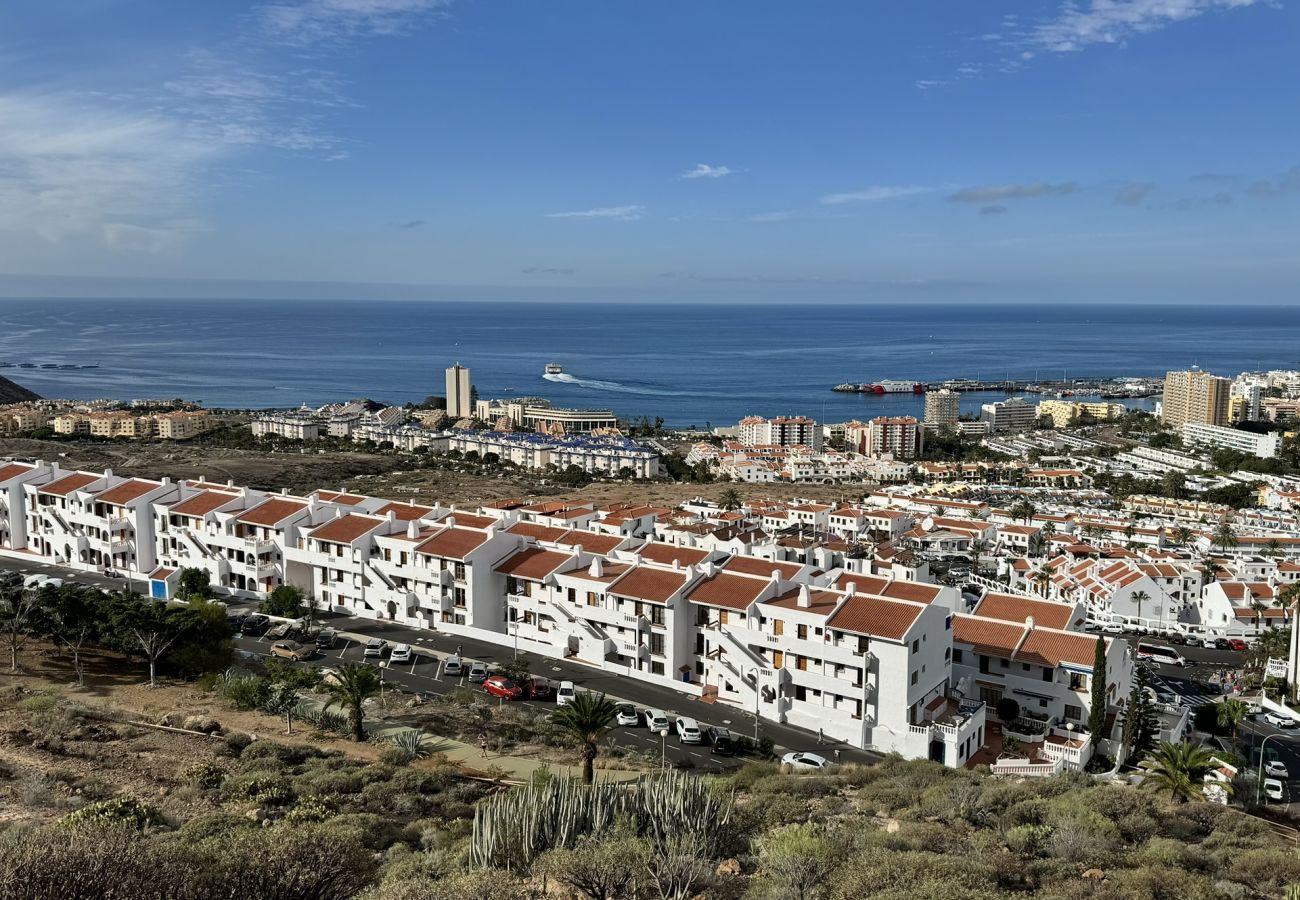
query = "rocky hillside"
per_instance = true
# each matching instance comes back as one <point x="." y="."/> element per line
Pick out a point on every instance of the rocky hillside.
<point x="15" y="393"/>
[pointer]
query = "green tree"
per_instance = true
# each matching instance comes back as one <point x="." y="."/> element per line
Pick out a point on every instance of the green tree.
<point x="148" y="627"/>
<point x="1183" y="535"/>
<point x="730" y="499"/>
<point x="601" y="869"/>
<point x="286" y="601"/>
<point x="585" y="720"/>
<point x="799" y="858"/>
<point x="76" y="617"/>
<point x="1023" y="510"/>
<point x="206" y="644"/>
<point x="19" y="615"/>
<point x="1225" y="538"/>
<point x="352" y="686"/>
<point x="194" y="583"/>
<point x="1179" y="769"/>
<point x="1230" y="714"/>
<point x="1097" y="713"/>
<point x="1141" y="723"/>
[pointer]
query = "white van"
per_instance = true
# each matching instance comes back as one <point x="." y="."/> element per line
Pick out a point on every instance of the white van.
<point x="688" y="730"/>
<point x="1167" y="656"/>
<point x="656" y="720"/>
<point x="566" y="694"/>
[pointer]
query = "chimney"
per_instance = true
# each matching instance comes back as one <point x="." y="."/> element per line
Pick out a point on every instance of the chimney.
<point x="391" y="516"/>
<point x="596" y="570"/>
<point x="166" y="479"/>
<point x="412" y="528"/>
<point x="108" y="473"/>
<point x="851" y="588"/>
<point x="230" y="482"/>
<point x="677" y="564"/>
<point x="451" y="520"/>
<point x="804" y="600"/>
<point x="776" y="575"/>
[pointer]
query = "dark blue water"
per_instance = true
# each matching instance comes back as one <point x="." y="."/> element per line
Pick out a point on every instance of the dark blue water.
<point x="690" y="364"/>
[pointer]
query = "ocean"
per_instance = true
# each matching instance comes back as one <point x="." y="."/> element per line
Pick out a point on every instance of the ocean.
<point x="691" y="364"/>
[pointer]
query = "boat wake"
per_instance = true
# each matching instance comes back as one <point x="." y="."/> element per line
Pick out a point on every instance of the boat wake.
<point x="613" y="386"/>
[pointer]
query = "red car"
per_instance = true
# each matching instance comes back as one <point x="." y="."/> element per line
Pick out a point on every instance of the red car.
<point x="538" y="690"/>
<point x="1237" y="644"/>
<point x="500" y="686"/>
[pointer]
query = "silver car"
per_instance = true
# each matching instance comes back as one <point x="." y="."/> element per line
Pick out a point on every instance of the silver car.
<point x="478" y="672"/>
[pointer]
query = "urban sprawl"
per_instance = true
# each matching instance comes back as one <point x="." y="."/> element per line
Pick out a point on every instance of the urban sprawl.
<point x="904" y="618"/>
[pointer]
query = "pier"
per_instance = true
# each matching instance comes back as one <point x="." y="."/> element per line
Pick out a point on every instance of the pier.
<point x="1108" y="388"/>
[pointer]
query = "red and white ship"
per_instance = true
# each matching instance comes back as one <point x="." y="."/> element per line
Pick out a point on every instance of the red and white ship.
<point x="894" y="387"/>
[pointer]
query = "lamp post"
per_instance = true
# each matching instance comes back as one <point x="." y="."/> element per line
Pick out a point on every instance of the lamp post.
<point x="514" y="627"/>
<point x="663" y="748"/>
<point x="1259" y="779"/>
<point x="754" y="669"/>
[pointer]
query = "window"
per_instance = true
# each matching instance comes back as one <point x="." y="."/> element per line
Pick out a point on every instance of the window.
<point x="915" y="676"/>
<point x="984" y="664"/>
<point x="778" y="627"/>
<point x="573" y="595"/>
<point x="1078" y="682"/>
<point x="1004" y="663"/>
<point x="656" y="644"/>
<point x="458" y="597"/>
<point x="801" y="663"/>
<point x="656" y="668"/>
<point x="947" y="653"/>
<point x="656" y="615"/>
<point x="591" y="598"/>
<point x="1047" y="673"/>
<point x="1024" y="666"/>
<point x="956" y="656"/>
<point x="1074" y="712"/>
<point x="801" y="632"/>
<point x="722" y="617"/>
<point x="916" y="646"/>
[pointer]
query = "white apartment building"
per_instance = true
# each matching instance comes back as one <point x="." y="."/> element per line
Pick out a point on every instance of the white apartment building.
<point x="783" y="431"/>
<point x="459" y="391"/>
<point x="298" y="426"/>
<point x="892" y="437"/>
<point x="942" y="408"/>
<point x="1264" y="446"/>
<point x="1009" y="415"/>
<point x="597" y="455"/>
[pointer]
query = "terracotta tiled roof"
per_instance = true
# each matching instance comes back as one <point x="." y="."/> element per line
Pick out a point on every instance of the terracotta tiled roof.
<point x="201" y="504"/>
<point x="1051" y="648"/>
<point x="346" y="529"/>
<point x="1010" y="608"/>
<point x="13" y="470"/>
<point x="533" y="563"/>
<point x="888" y="619"/>
<point x="537" y="532"/>
<point x="883" y="587"/>
<point x="648" y="583"/>
<point x="126" y="492"/>
<point x="271" y="512"/>
<point x="69" y="483"/>
<point x="591" y="542"/>
<point x="726" y="590"/>
<point x="666" y="553"/>
<point x="404" y="512"/>
<point x="752" y="565"/>
<point x="341" y="499"/>
<point x="609" y="572"/>
<point x="469" y="520"/>
<point x="822" y="602"/>
<point x="987" y="635"/>
<point x="452" y="543"/>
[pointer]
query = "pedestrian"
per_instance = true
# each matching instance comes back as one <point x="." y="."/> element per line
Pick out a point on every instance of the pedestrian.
<point x="837" y="756"/>
<point x="819" y="737"/>
<point x="458" y="646"/>
<point x="482" y="746"/>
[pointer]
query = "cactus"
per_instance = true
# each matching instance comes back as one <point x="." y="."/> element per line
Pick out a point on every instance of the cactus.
<point x="512" y="829"/>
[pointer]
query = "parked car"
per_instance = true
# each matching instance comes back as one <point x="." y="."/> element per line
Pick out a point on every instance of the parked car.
<point x="1112" y="628"/>
<point x="401" y="653"/>
<point x="501" y="686"/>
<point x="1277" y="769"/>
<point x="236" y="620"/>
<point x="688" y="730"/>
<point x="1238" y="644"/>
<point x="35" y="581"/>
<point x="1221" y="644"/>
<point x="1274" y="789"/>
<point x="721" y="741"/>
<point x="11" y="579"/>
<point x="453" y="666"/>
<point x="375" y="648"/>
<point x="279" y="631"/>
<point x="292" y="650"/>
<point x="1176" y="639"/>
<point x="627" y="715"/>
<point x="255" y="624"/>
<point x="566" y="694"/>
<point x="326" y="638"/>
<point x="1280" y="720"/>
<point x="805" y="762"/>
<point x="656" y="720"/>
<point x="478" y="672"/>
<point x="537" y="689"/>
<point x="1194" y="640"/>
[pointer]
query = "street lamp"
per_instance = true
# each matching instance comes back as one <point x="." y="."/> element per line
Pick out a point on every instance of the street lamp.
<point x="1259" y="778"/>
<point x="514" y="626"/>
<point x="754" y="669"/>
<point x="663" y="748"/>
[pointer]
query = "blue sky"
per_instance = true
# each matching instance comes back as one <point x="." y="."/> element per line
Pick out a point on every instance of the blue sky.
<point x="1108" y="150"/>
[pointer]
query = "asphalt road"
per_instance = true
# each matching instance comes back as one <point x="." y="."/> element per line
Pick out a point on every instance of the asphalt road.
<point x="425" y="676"/>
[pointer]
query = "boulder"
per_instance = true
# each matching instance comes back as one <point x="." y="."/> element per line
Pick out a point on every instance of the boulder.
<point x="729" y="866"/>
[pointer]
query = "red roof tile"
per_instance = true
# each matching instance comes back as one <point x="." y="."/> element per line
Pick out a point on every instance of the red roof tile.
<point x="346" y="529"/>
<point x="341" y="499"/>
<point x="752" y="565"/>
<point x="404" y="512"/>
<point x="822" y="602"/>
<point x="13" y="470"/>
<point x="201" y="504"/>
<point x="127" y="491"/>
<point x="666" y="553"/>
<point x="271" y="512"/>
<point x="726" y="590"/>
<point x="648" y="583"/>
<point x="873" y="616"/>
<point x="591" y="542"/>
<point x="533" y="563"/>
<point x="452" y="543"/>
<point x="69" y="483"/>
<point x="537" y="532"/>
<point x="1009" y="608"/>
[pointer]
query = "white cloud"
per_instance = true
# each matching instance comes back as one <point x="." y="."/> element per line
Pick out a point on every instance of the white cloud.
<point x="307" y="22"/>
<point x="993" y="193"/>
<point x="623" y="213"/>
<point x="69" y="167"/>
<point x="783" y="215"/>
<point x="1114" y="21"/>
<point x="875" y="194"/>
<point x="703" y="170"/>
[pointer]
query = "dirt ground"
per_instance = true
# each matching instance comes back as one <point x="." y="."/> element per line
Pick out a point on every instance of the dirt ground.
<point x="374" y="474"/>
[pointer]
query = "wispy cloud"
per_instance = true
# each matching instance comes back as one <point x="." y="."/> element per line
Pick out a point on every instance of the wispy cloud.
<point x="547" y="270"/>
<point x="999" y="192"/>
<point x="623" y="213"/>
<point x="72" y="167"/>
<point x="703" y="170"/>
<point x="994" y="210"/>
<point x="314" y="22"/>
<point x="1076" y="27"/>
<point x="1286" y="183"/>
<point x="875" y="194"/>
<point x="411" y="224"/>
<point x="1133" y="194"/>
<point x="1189" y="204"/>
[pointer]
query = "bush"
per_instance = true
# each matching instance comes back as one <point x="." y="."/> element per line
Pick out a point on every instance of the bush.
<point x="126" y="811"/>
<point x="204" y="775"/>
<point x="315" y="808"/>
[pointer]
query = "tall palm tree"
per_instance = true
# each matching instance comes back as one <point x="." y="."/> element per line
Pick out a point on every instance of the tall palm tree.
<point x="977" y="549"/>
<point x="1211" y="570"/>
<point x="1183" y="535"/>
<point x="1043" y="577"/>
<point x="353" y="684"/>
<point x="1230" y="714"/>
<point x="1224" y="537"/>
<point x="584" y="720"/>
<point x="1273" y="547"/>
<point x="730" y="499"/>
<point x="1140" y="597"/>
<point x="1179" y="769"/>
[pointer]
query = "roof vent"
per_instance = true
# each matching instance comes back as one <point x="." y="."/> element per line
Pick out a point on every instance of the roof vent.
<point x="597" y="569"/>
<point x="851" y="588"/>
<point x="804" y="600"/>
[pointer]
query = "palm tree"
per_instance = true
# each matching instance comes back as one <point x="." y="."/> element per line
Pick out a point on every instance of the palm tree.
<point x="1043" y="577"/>
<point x="1023" y="510"/>
<point x="1230" y="714"/>
<point x="1224" y="537"/>
<point x="585" y="719"/>
<point x="1140" y="597"/>
<point x="353" y="684"/>
<point x="730" y="499"/>
<point x="1179" y="769"/>
<point x="977" y="549"/>
<point x="1049" y="529"/>
<point x="1183" y="535"/>
<point x="1273" y="547"/>
<point x="1211" y="570"/>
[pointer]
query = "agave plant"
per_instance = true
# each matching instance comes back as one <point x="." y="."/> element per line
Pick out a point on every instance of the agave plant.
<point x="412" y="743"/>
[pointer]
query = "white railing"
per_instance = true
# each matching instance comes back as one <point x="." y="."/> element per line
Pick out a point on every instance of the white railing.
<point x="1027" y="768"/>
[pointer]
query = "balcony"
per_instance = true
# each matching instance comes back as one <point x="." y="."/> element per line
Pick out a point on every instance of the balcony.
<point x="119" y="524"/>
<point x="120" y="546"/>
<point x="1027" y="768"/>
<point x="818" y="680"/>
